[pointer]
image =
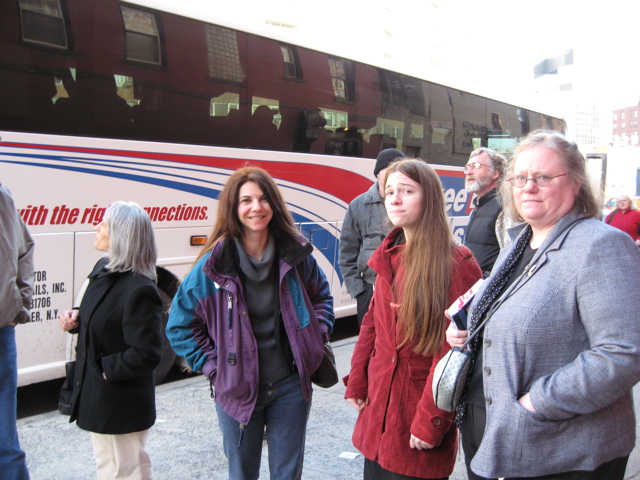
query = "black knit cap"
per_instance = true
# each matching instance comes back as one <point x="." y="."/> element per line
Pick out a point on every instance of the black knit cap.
<point x="385" y="157"/>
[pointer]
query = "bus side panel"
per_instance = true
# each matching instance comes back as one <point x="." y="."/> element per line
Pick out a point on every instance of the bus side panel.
<point x="325" y="244"/>
<point x="457" y="200"/>
<point x="343" y="303"/>
<point x="41" y="343"/>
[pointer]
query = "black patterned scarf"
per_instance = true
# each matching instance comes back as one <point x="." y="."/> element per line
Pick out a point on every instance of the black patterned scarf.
<point x="497" y="283"/>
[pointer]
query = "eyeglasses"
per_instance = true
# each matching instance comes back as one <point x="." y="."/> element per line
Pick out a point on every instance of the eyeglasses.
<point x="474" y="166"/>
<point x="541" y="180"/>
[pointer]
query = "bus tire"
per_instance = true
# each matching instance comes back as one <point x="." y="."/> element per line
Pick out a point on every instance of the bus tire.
<point x="168" y="357"/>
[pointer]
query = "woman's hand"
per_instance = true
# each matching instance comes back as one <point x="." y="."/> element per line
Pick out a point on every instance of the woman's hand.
<point x="69" y="319"/>
<point x="418" y="444"/>
<point x="455" y="337"/>
<point x="525" y="401"/>
<point x="356" y="403"/>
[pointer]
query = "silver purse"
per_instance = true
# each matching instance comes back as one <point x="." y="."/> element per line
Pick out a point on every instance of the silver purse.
<point x="450" y="377"/>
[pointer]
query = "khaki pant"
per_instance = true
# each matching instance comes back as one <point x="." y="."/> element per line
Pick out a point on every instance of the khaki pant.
<point x="122" y="456"/>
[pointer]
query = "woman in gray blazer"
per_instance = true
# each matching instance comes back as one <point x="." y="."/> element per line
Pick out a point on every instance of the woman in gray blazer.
<point x="549" y="393"/>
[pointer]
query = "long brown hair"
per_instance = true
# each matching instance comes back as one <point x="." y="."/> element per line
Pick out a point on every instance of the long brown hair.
<point x="228" y="223"/>
<point x="427" y="260"/>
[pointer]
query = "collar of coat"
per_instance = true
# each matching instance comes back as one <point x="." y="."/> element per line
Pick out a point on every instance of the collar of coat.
<point x="380" y="259"/>
<point x="224" y="256"/>
<point x="100" y="269"/>
<point x="560" y="230"/>
<point x="373" y="194"/>
<point x="479" y="201"/>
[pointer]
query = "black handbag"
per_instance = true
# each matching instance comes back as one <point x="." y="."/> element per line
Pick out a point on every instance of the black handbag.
<point x="65" y="400"/>
<point x="326" y="375"/>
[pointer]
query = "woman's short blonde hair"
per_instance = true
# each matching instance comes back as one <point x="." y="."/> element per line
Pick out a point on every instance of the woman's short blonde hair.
<point x="587" y="201"/>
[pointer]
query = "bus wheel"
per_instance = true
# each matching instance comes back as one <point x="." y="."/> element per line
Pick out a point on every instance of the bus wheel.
<point x="168" y="355"/>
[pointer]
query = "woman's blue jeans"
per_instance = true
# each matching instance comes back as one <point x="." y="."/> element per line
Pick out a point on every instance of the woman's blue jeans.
<point x="12" y="460"/>
<point x="282" y="409"/>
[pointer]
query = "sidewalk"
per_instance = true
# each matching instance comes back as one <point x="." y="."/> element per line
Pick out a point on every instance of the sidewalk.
<point x="186" y="443"/>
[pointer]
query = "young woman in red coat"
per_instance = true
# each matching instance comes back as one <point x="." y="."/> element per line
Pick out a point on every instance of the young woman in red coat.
<point x="421" y="271"/>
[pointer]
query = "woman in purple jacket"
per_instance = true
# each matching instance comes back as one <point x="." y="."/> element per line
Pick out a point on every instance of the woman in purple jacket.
<point x="253" y="315"/>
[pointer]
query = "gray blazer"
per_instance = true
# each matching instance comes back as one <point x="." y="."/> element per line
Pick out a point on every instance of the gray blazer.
<point x="365" y="226"/>
<point x="568" y="332"/>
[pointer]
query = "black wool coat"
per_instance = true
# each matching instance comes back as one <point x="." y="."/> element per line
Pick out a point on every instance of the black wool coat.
<point x="120" y="335"/>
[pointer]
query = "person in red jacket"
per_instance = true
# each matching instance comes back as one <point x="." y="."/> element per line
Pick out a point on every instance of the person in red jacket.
<point x="420" y="272"/>
<point x="626" y="218"/>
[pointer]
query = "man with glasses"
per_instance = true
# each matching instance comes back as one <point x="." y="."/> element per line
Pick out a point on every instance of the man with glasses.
<point x="486" y="229"/>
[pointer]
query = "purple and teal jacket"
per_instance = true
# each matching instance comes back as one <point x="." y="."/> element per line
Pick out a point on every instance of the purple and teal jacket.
<point x="209" y="324"/>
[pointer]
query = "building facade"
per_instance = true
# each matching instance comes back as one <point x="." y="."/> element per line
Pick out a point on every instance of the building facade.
<point x="625" y="127"/>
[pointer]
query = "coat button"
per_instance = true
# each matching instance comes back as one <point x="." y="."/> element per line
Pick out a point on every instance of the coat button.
<point x="487" y="370"/>
<point x="488" y="400"/>
<point x="487" y="342"/>
<point x="437" y="422"/>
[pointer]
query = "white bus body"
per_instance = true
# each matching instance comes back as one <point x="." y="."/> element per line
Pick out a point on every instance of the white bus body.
<point x="103" y="100"/>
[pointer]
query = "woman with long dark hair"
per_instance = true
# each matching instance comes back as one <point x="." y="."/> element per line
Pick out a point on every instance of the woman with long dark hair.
<point x="253" y="315"/>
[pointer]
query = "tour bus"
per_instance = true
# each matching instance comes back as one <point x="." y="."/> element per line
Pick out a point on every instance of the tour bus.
<point x="105" y="100"/>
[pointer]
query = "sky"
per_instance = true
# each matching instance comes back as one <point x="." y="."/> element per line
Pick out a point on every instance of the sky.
<point x="488" y="47"/>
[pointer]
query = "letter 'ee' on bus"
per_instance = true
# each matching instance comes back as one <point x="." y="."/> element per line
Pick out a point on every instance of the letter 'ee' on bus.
<point x="106" y="100"/>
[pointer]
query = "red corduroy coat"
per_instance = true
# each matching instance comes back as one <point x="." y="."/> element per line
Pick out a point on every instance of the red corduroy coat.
<point x="395" y="382"/>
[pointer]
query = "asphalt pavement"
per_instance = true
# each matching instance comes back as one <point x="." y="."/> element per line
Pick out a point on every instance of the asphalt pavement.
<point x="186" y="443"/>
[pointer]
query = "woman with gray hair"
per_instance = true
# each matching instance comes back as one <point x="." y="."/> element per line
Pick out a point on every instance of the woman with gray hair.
<point x="626" y="217"/>
<point x="119" y="344"/>
<point x="556" y="357"/>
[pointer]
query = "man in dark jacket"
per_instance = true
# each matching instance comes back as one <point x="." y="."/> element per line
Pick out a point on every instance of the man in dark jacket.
<point x="484" y="237"/>
<point x="16" y="288"/>
<point x="365" y="226"/>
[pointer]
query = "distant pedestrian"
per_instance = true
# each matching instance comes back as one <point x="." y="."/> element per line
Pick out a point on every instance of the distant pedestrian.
<point x="16" y="288"/>
<point x="253" y="315"/>
<point x="119" y="345"/>
<point x="421" y="271"/>
<point x="486" y="231"/>
<point x="626" y="217"/>
<point x="364" y="227"/>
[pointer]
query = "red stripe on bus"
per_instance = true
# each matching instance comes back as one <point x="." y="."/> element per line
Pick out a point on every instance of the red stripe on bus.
<point x="335" y="181"/>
